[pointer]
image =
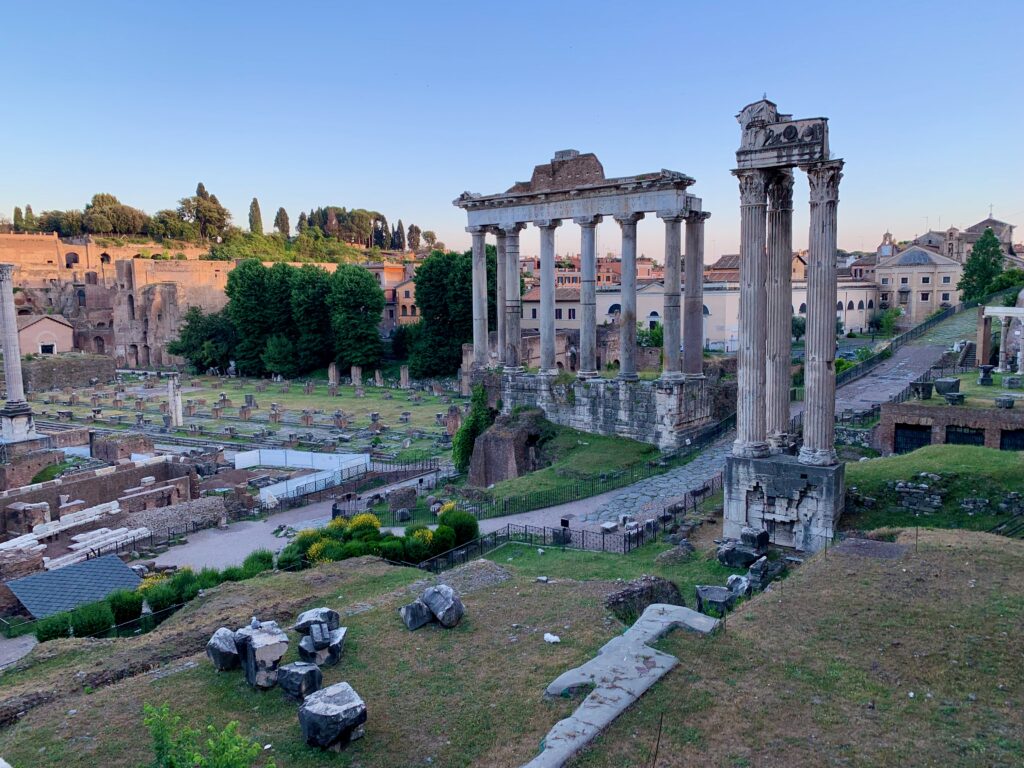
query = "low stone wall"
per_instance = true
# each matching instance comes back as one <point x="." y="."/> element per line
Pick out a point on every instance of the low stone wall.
<point x="22" y="469"/>
<point x="861" y="438"/>
<point x="994" y="421"/>
<point x="116" y="446"/>
<point x="68" y="438"/>
<point x="662" y="414"/>
<point x="207" y="511"/>
<point x="68" y="370"/>
<point x="14" y="565"/>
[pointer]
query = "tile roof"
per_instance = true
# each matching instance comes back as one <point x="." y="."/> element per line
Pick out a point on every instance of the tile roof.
<point x="24" y="321"/>
<point x="916" y="256"/>
<point x="44" y="594"/>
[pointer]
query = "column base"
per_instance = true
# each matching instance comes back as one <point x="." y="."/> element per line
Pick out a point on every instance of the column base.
<point x="628" y="377"/>
<point x="759" y="450"/>
<point x="672" y="377"/>
<point x="779" y="443"/>
<point x="588" y="375"/>
<point x="693" y="376"/>
<point x="817" y="457"/>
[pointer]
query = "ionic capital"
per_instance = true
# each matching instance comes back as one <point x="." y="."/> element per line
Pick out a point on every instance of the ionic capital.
<point x="823" y="179"/>
<point x="512" y="230"/>
<point x="626" y="219"/>
<point x="477" y="230"/>
<point x="780" y="190"/>
<point x="697" y="217"/>
<point x="753" y="186"/>
<point x="547" y="223"/>
<point x="588" y="221"/>
<point x="673" y="216"/>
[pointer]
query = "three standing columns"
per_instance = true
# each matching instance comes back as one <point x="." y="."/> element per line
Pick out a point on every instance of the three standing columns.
<point x="693" y="300"/>
<point x="627" y="318"/>
<point x="819" y="373"/>
<point x="513" y="300"/>
<point x="588" y="296"/>
<point x="751" y="433"/>
<point x="480" y="333"/>
<point x="547" y="295"/>
<point x="670" y="322"/>
<point x="780" y="308"/>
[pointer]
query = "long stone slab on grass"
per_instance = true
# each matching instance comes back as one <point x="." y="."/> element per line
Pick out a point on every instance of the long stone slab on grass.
<point x="622" y="671"/>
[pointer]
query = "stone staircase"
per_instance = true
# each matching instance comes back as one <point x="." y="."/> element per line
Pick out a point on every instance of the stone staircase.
<point x="968" y="355"/>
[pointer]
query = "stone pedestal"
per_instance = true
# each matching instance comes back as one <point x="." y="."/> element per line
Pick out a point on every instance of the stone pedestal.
<point x="798" y="504"/>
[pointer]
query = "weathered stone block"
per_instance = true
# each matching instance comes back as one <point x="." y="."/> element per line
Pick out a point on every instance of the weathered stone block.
<point x="222" y="650"/>
<point x="416" y="614"/>
<point x="332" y="717"/>
<point x="444" y="603"/>
<point x="322" y="615"/>
<point x="299" y="679"/>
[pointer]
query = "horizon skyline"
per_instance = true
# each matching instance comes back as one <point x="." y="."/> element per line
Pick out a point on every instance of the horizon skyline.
<point x="444" y="127"/>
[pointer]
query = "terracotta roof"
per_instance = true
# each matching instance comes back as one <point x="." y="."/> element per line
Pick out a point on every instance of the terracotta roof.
<point x="562" y="293"/>
<point x="24" y="321"/>
<point x="918" y="256"/>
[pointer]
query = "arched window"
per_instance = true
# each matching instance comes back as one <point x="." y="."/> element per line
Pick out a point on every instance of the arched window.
<point x="104" y="258"/>
<point x="871" y="303"/>
<point x="614" y="309"/>
<point x="839" y="306"/>
<point x="81" y="297"/>
<point x="131" y="307"/>
<point x="97" y="345"/>
<point x="803" y="309"/>
<point x="860" y="304"/>
<point x="849" y="304"/>
<point x="707" y="312"/>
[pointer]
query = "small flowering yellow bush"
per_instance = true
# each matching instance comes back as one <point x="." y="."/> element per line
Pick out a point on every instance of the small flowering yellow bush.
<point x="150" y="580"/>
<point x="423" y="535"/>
<point x="317" y="552"/>
<point x="338" y="525"/>
<point x="448" y="506"/>
<point x="365" y="520"/>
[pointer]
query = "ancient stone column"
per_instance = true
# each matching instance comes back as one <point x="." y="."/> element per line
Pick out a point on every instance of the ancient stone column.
<point x="16" y="421"/>
<point x="693" y="298"/>
<point x="513" y="300"/>
<point x="627" y="316"/>
<point x="670" y="360"/>
<point x="780" y="308"/>
<point x="588" y="296"/>
<point x="480" y="342"/>
<point x="820" y="345"/>
<point x="499" y="295"/>
<point x="1004" y="338"/>
<point x="547" y="295"/>
<point x="751" y="434"/>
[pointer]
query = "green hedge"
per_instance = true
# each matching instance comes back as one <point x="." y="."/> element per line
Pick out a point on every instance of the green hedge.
<point x="91" y="619"/>
<point x="126" y="605"/>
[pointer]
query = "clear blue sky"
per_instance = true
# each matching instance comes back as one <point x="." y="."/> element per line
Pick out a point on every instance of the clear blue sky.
<point x="399" y="107"/>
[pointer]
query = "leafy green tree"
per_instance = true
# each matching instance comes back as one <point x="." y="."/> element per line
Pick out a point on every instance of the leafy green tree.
<point x="311" y="318"/>
<point x="982" y="267"/>
<point x="206" y="212"/>
<point x="798" y="327"/>
<point x="480" y="417"/>
<point x="30" y="219"/>
<point x="176" y="745"/>
<point x="255" y="217"/>
<point x="650" y="337"/>
<point x="430" y="239"/>
<point x="247" y="308"/>
<point x="1010" y="278"/>
<point x="279" y="356"/>
<point x="303" y="222"/>
<point x="281" y="223"/>
<point x="355" y="303"/>
<point x="19" y="220"/>
<point x="413" y="238"/>
<point x="102" y="200"/>
<point x="168" y="224"/>
<point x="205" y="340"/>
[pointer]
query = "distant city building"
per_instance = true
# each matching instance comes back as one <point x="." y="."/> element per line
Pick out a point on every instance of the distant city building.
<point x="918" y="281"/>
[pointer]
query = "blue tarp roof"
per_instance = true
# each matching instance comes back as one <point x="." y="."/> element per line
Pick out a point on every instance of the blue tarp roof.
<point x="44" y="594"/>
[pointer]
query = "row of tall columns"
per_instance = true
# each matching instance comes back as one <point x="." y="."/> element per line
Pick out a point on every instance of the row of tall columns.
<point x="508" y="297"/>
<point x="762" y="418"/>
<point x="693" y="298"/>
<point x="779" y="307"/>
<point x="819" y="447"/>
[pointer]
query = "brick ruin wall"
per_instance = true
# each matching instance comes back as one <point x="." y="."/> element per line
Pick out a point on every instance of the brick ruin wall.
<point x="937" y="417"/>
<point x="20" y="470"/>
<point x="112" y="448"/>
<point x="69" y="370"/>
<point x="646" y="411"/>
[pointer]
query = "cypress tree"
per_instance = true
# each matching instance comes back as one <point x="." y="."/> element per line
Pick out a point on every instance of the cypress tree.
<point x="19" y="219"/>
<point x="255" y="217"/>
<point x="281" y="223"/>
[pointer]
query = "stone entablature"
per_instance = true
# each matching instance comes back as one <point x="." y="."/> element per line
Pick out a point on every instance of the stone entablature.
<point x="660" y="413"/>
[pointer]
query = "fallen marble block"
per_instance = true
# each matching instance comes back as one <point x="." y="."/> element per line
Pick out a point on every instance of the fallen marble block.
<point x="332" y="717"/>
<point x="327" y="656"/>
<point x="416" y="614"/>
<point x="624" y="668"/>
<point x="320" y="635"/>
<point x="260" y="650"/>
<point x="222" y="650"/>
<point x="719" y="598"/>
<point x="445" y="604"/>
<point x="313" y="616"/>
<point x="299" y="679"/>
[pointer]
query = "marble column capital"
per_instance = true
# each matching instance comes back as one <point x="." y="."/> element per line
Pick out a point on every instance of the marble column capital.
<point x="753" y="186"/>
<point x="698" y="216"/>
<point x="674" y="216"/>
<point x="780" y="190"/>
<point x="824" y="179"/>
<point x="478" y="230"/>
<point x="627" y="219"/>
<point x="547" y="223"/>
<point x="588" y="221"/>
<point x="512" y="230"/>
<point x="6" y="271"/>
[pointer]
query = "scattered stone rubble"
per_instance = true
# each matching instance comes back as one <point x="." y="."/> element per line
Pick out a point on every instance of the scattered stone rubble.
<point x="261" y="646"/>
<point x="333" y="717"/>
<point x="632" y="600"/>
<point x="745" y="552"/>
<point x="439" y="604"/>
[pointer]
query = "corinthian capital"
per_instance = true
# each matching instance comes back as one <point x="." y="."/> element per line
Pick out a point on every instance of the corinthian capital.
<point x="780" y="190"/>
<point x="823" y="179"/>
<point x="753" y="186"/>
<point x="6" y="271"/>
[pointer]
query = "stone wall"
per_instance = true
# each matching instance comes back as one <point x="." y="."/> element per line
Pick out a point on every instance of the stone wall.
<point x="99" y="486"/>
<point x="70" y="370"/>
<point x="21" y="469"/>
<point x="652" y="412"/>
<point x="14" y="565"/>
<point x="862" y="438"/>
<point x="68" y="438"/>
<point x="938" y="417"/>
<point x="205" y="512"/>
<point x="116" y="446"/>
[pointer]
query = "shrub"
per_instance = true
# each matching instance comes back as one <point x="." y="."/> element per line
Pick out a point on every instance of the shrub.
<point x="176" y="745"/>
<point x="365" y="520"/>
<point x="185" y="584"/>
<point x="392" y="549"/>
<point x="232" y="573"/>
<point x="304" y="539"/>
<point x="476" y="423"/>
<point x="410" y="530"/>
<point x="208" y="577"/>
<point x="257" y="562"/>
<point x="463" y="523"/>
<point x="338" y="524"/>
<point x="161" y="597"/>
<point x="365" y="533"/>
<point x="91" y="619"/>
<point x="317" y="550"/>
<point x="416" y="550"/>
<point x="448" y="506"/>
<point x="444" y="539"/>
<point x="126" y="605"/>
<point x="52" y="627"/>
<point x="290" y="558"/>
<point x="354" y="549"/>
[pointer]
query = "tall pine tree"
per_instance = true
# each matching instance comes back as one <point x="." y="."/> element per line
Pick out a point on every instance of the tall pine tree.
<point x="19" y="219"/>
<point x="255" y="217"/>
<point x="983" y="265"/>
<point x="281" y="223"/>
<point x="30" y="219"/>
